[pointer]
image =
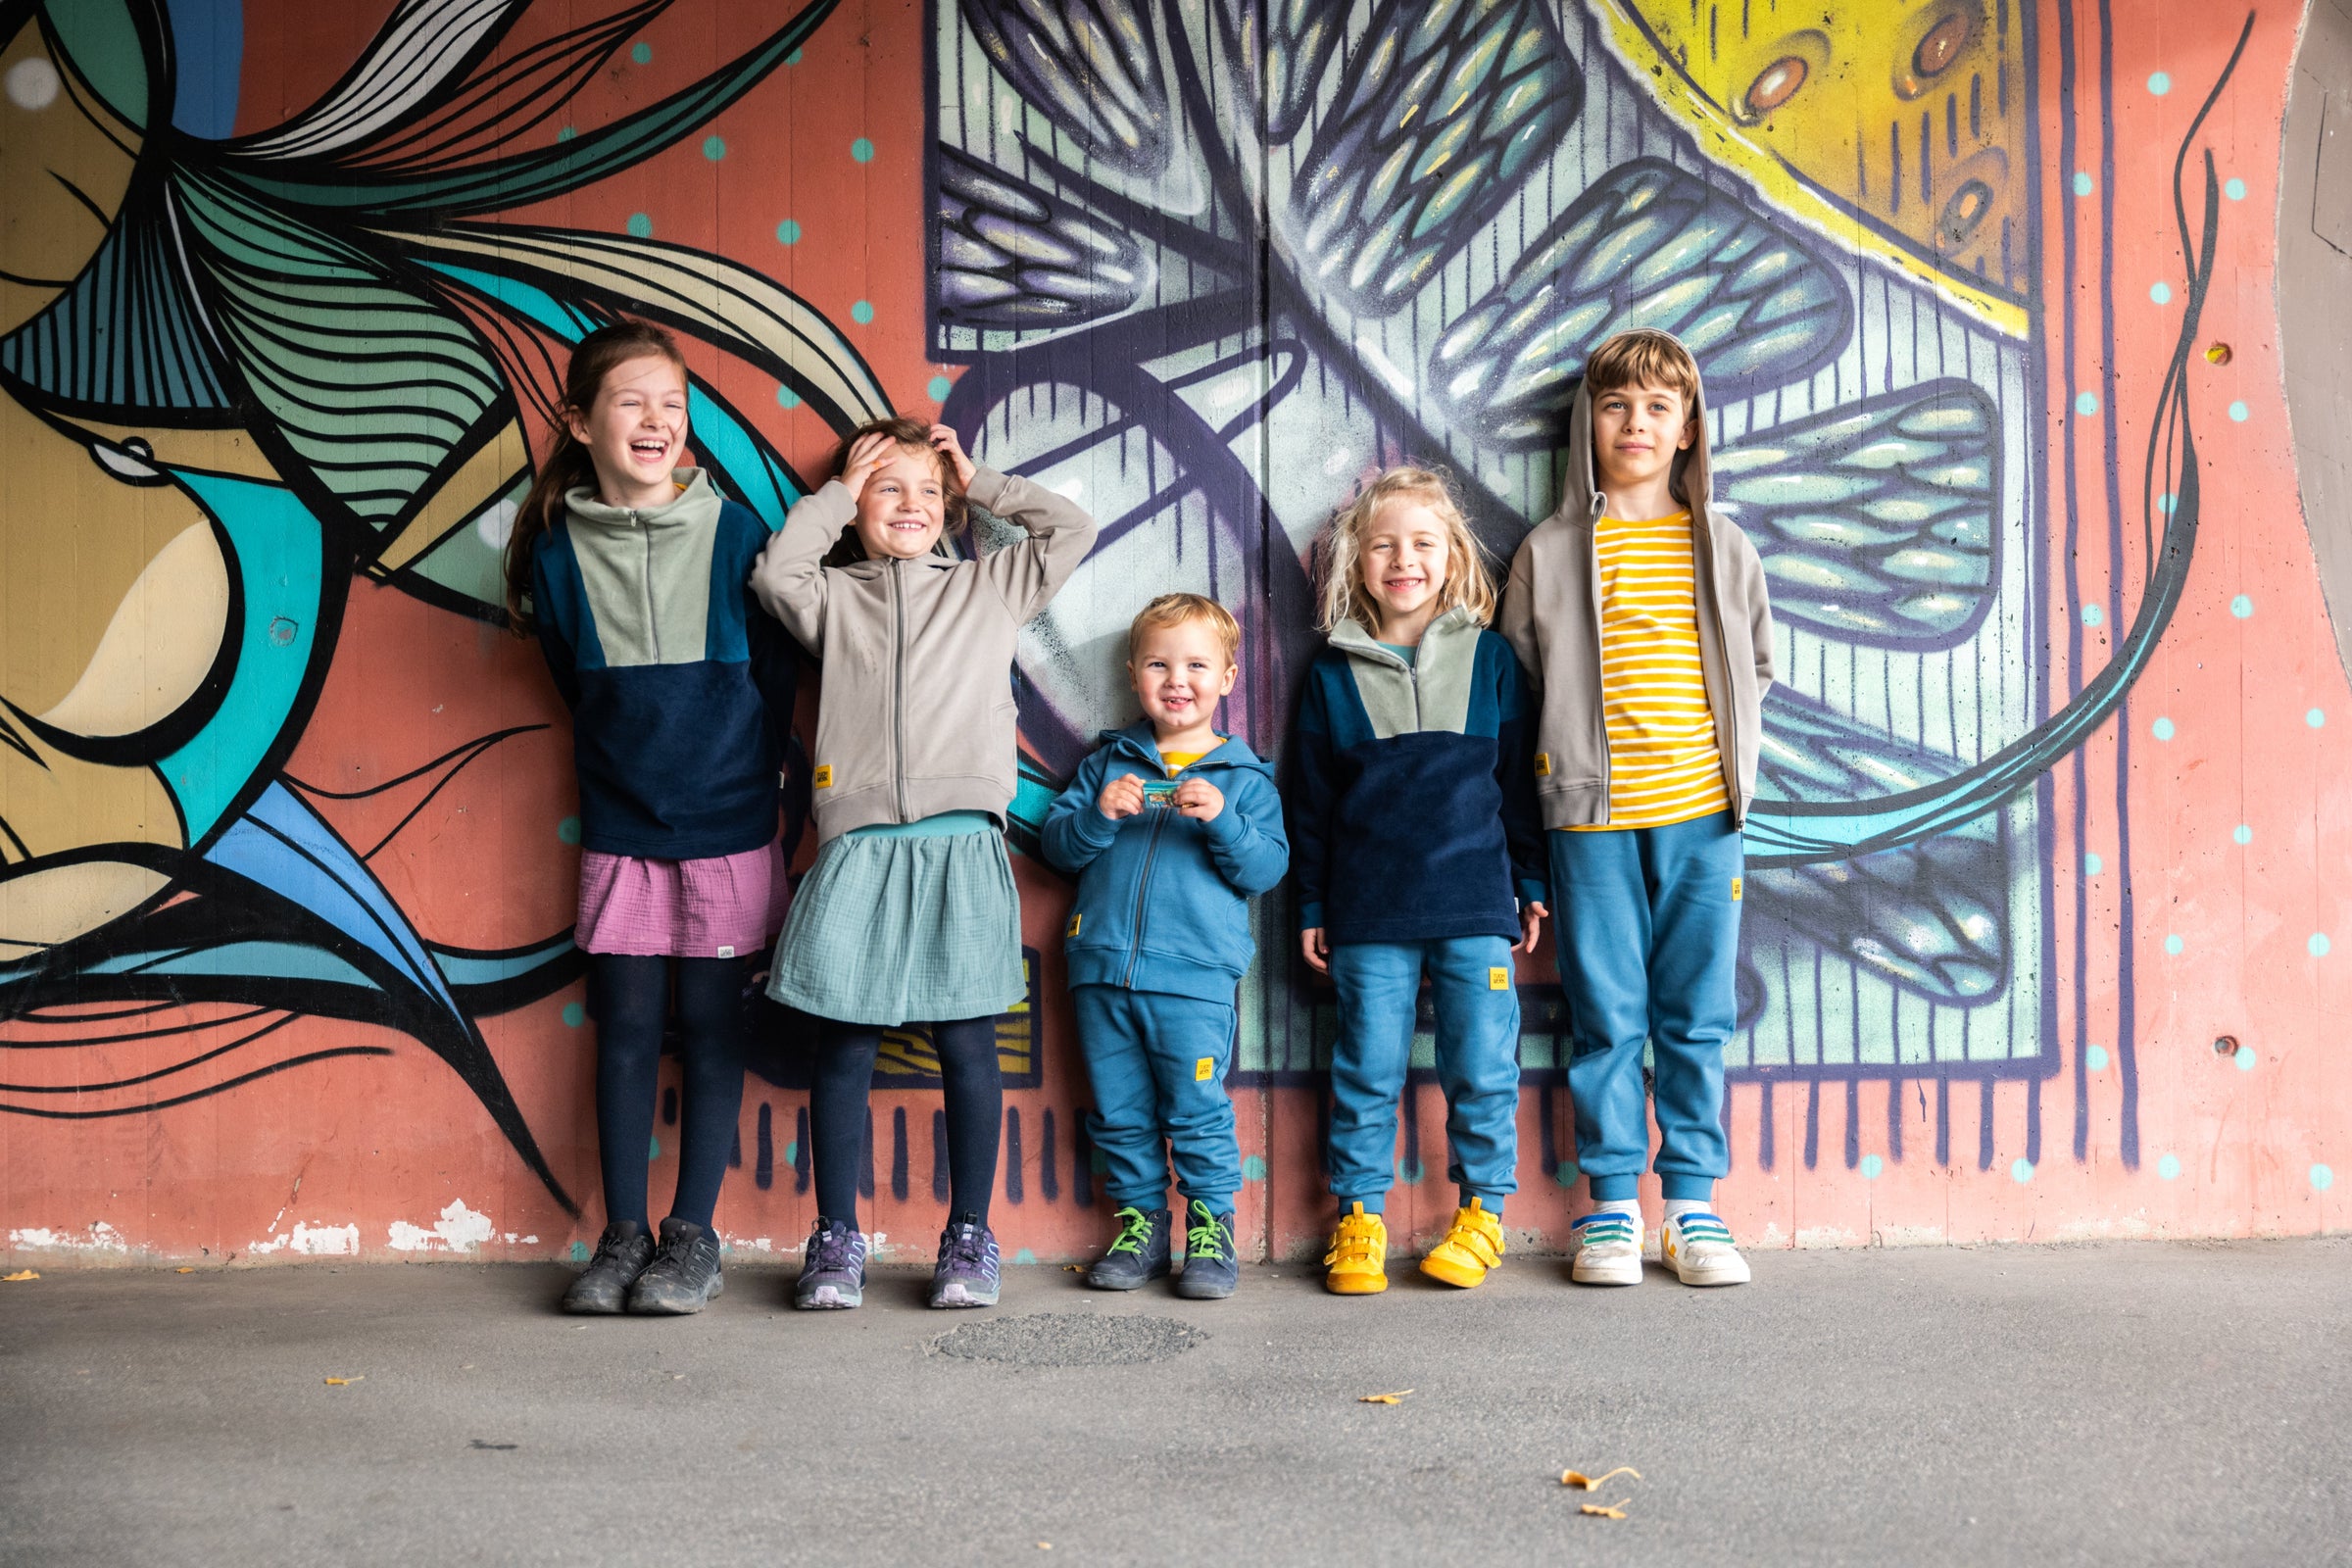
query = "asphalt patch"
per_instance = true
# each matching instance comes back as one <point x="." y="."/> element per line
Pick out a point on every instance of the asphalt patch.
<point x="1071" y="1339"/>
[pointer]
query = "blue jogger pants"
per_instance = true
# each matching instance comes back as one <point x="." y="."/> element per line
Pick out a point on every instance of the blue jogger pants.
<point x="1649" y="944"/>
<point x="1158" y="1063"/>
<point x="1478" y="1064"/>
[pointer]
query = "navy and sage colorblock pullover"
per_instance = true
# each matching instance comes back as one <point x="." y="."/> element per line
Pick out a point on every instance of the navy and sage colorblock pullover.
<point x="681" y="685"/>
<point x="1412" y="800"/>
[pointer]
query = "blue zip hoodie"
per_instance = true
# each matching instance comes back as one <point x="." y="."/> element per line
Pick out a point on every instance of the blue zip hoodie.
<point x="1162" y="898"/>
<point x="1413" y="797"/>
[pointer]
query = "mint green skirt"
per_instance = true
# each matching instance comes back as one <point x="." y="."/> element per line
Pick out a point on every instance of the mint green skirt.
<point x="892" y="927"/>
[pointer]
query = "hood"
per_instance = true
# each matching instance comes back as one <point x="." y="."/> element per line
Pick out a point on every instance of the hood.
<point x="1581" y="495"/>
<point x="1350" y="637"/>
<point x="697" y="502"/>
<point x="1137" y="741"/>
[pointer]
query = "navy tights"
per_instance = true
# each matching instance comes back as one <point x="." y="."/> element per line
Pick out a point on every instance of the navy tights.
<point x="974" y="1086"/>
<point x="633" y="999"/>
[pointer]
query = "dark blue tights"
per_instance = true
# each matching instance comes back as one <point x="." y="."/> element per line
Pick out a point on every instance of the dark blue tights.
<point x="974" y="1086"/>
<point x="633" y="999"/>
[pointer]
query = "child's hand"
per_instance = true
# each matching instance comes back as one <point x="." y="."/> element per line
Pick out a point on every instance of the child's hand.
<point x="1200" y="800"/>
<point x="1121" y="797"/>
<point x="1531" y="926"/>
<point x="1316" y="949"/>
<point x="870" y="453"/>
<point x="948" y="445"/>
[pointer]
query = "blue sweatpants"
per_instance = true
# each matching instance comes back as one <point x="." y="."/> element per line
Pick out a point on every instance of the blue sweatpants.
<point x="1478" y="1064"/>
<point x="1649" y="944"/>
<point x="1158" y="1063"/>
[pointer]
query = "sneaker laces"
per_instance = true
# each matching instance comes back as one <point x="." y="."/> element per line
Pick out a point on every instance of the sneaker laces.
<point x="608" y="1246"/>
<point x="832" y="1249"/>
<point x="965" y="1245"/>
<point x="1135" y="1232"/>
<point x="1205" y="1235"/>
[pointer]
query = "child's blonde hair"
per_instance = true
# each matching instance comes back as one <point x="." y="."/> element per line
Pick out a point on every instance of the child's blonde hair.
<point x="1345" y="597"/>
<point x="1174" y="609"/>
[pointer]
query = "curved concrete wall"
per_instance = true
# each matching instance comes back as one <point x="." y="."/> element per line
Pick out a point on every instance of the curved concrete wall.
<point x="2042" y="930"/>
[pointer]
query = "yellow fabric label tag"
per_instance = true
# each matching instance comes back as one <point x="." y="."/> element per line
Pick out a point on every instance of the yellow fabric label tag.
<point x="1736" y="881"/>
<point x="1543" y="764"/>
<point x="824" y="777"/>
<point x="1074" y="920"/>
<point x="1204" y="1069"/>
<point x="1498" y="979"/>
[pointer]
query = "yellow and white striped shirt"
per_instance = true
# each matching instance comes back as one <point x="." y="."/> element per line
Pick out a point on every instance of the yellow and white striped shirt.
<point x="1665" y="762"/>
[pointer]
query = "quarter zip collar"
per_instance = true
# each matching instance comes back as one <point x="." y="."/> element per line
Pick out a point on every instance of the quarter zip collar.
<point x="698" y="502"/>
<point x="1351" y="638"/>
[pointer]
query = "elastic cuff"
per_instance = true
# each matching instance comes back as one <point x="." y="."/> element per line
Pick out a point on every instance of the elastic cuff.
<point x="1614" y="1189"/>
<point x="1219" y="1202"/>
<point x="1310" y="916"/>
<point x="1535" y="891"/>
<point x="1688" y="1189"/>
<point x="1147" y="1203"/>
<point x="1374" y="1202"/>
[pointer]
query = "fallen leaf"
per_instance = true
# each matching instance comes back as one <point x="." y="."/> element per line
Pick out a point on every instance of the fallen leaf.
<point x="20" y="1274"/>
<point x="183" y="1270"/>
<point x="2217" y="354"/>
<point x="1615" y="1510"/>
<point x="1066" y="1269"/>
<point x="1383" y="1399"/>
<point x="1577" y="1478"/>
<point x="337" y="1383"/>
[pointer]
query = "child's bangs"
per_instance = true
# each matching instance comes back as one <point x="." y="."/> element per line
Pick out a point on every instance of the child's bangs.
<point x="1643" y="359"/>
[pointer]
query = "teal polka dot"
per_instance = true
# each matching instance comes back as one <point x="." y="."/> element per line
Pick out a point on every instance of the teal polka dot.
<point x="1024" y="1256"/>
<point x="2167" y="502"/>
<point x="2315" y="718"/>
<point x="2095" y="1058"/>
<point x="640" y="227"/>
<point x="2092" y="615"/>
<point x="2168" y="1167"/>
<point x="2086" y="403"/>
<point x="2173" y="946"/>
<point x="652" y="1150"/>
<point x="565" y="134"/>
<point x="792" y="1151"/>
<point x="568" y="831"/>
<point x="2161" y="293"/>
<point x="2241" y="834"/>
<point x="938" y="388"/>
<point x="2244" y="1058"/>
<point x="862" y="311"/>
<point x="1567" y="1174"/>
<point x="2160" y="84"/>
<point x="2020" y="1169"/>
<point x="579" y="1252"/>
<point x="2162" y="729"/>
<point x="1872" y="1164"/>
<point x="575" y="1015"/>
<point x="793" y="59"/>
<point x="787" y="398"/>
<point x="2318" y="946"/>
<point x="2237" y="412"/>
<point x="2321" y="1178"/>
<point x="2234" y="189"/>
<point x="788" y="232"/>
<point x="715" y="148"/>
<point x="2084" y="183"/>
<point x="2092" y="866"/>
<point x="2241" y="606"/>
<point x="643" y="54"/>
<point x="1254" y="1169"/>
<point x="862" y="150"/>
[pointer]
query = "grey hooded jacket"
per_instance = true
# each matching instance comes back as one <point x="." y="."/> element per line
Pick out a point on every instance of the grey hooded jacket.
<point x="917" y="713"/>
<point x="1552" y="615"/>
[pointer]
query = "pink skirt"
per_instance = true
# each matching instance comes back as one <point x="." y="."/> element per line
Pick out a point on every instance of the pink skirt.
<point x="729" y="907"/>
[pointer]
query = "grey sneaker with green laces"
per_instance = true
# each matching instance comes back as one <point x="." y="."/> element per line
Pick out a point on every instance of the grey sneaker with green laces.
<point x="1138" y="1255"/>
<point x="1212" y="1266"/>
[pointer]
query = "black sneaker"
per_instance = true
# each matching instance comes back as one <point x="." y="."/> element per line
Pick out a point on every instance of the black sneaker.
<point x="1211" y="1269"/>
<point x="683" y="1276"/>
<point x="1139" y="1256"/>
<point x="621" y="1255"/>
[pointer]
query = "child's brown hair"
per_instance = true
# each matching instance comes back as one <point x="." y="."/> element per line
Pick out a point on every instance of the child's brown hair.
<point x="1647" y="356"/>
<point x="914" y="434"/>
<point x="1344" y="595"/>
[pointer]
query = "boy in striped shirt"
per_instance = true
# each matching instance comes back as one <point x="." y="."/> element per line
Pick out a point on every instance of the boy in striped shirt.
<point x="1639" y="612"/>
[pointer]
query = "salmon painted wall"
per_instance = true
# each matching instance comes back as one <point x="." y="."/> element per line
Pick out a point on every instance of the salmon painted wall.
<point x="2045" y="892"/>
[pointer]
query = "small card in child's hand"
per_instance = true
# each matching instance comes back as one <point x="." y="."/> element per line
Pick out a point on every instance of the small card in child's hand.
<point x="1160" y="792"/>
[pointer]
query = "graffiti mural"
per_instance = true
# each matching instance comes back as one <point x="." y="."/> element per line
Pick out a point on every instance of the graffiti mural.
<point x="285" y="296"/>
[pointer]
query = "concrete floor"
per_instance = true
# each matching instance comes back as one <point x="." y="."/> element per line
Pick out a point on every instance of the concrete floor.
<point x="2135" y="1403"/>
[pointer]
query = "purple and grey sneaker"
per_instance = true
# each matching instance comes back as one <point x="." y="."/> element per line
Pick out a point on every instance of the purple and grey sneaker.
<point x="967" y="1275"/>
<point x="832" y="1268"/>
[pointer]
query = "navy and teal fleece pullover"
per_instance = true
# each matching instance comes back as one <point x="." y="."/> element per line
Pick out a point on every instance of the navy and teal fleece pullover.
<point x="1162" y="898"/>
<point x="681" y="685"/>
<point x="1412" y="800"/>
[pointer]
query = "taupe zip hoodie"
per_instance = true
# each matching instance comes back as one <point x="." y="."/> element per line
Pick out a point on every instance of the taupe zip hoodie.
<point x="917" y="714"/>
<point x="1551" y="615"/>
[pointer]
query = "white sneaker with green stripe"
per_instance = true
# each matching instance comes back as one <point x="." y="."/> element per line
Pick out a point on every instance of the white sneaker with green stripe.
<point x="1699" y="1248"/>
<point x="1604" y="1247"/>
